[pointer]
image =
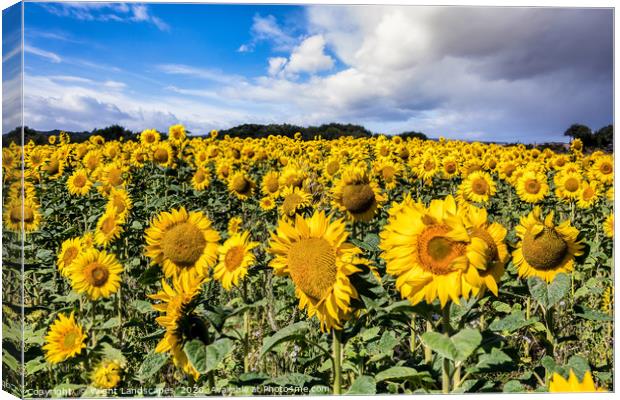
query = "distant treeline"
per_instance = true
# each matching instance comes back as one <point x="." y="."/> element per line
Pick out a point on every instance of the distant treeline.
<point x="116" y="132"/>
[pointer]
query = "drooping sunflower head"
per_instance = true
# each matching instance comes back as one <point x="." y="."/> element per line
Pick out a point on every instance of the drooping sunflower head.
<point x="96" y="273"/>
<point x="65" y="339"/>
<point x="235" y="257"/>
<point x="430" y="251"/>
<point x="241" y="185"/>
<point x="177" y="305"/>
<point x="561" y="385"/>
<point x="545" y="249"/>
<point x="182" y="242"/>
<point x="106" y="375"/>
<point x="313" y="252"/>
<point x="357" y="195"/>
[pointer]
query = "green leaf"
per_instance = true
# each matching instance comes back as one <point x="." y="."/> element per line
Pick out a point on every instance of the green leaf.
<point x="10" y="361"/>
<point x="143" y="307"/>
<point x="396" y="374"/>
<point x="492" y="360"/>
<point x="549" y="295"/>
<point x="440" y="344"/>
<point x="513" y="386"/>
<point x="591" y="315"/>
<point x="291" y="332"/>
<point x="465" y="342"/>
<point x="579" y="365"/>
<point x="512" y="322"/>
<point x="151" y="364"/>
<point x="112" y="353"/>
<point x="206" y="358"/>
<point x="293" y="379"/>
<point x="35" y="365"/>
<point x="363" y="385"/>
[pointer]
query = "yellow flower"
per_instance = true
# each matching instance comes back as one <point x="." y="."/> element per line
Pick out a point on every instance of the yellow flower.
<point x="69" y="251"/>
<point x="313" y="252"/>
<point x="603" y="169"/>
<point x="177" y="306"/>
<point x="532" y="186"/>
<point x="430" y="251"/>
<point x="163" y="155"/>
<point x="357" y="195"/>
<point x="588" y="195"/>
<point x="234" y="225"/>
<point x="95" y="273"/>
<point x="182" y="242"/>
<point x="608" y="226"/>
<point x="478" y="187"/>
<point x="559" y="384"/>
<point x="176" y="134"/>
<point x="108" y="228"/>
<point x="201" y="179"/>
<point x="149" y="137"/>
<point x="78" y="183"/>
<point x="235" y="257"/>
<point x="270" y="184"/>
<point x="545" y="249"/>
<point x="267" y="203"/>
<point x="119" y="203"/>
<point x="64" y="340"/>
<point x="54" y="167"/>
<point x="568" y="185"/>
<point x="22" y="215"/>
<point x="106" y="375"/>
<point x="295" y="200"/>
<point x="241" y="185"/>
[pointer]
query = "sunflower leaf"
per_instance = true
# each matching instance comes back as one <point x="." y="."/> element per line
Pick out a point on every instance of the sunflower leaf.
<point x="549" y="295"/>
<point x="363" y="385"/>
<point x="465" y="342"/>
<point x="291" y="332"/>
<point x="440" y="344"/>
<point x="396" y="374"/>
<point x="151" y="364"/>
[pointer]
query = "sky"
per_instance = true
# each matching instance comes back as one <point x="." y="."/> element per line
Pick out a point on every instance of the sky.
<point x="493" y="74"/>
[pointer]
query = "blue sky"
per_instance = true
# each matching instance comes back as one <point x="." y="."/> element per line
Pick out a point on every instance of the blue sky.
<point x="472" y="73"/>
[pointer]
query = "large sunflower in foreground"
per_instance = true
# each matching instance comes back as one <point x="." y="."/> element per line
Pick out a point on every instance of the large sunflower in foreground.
<point x="559" y="384"/>
<point x="235" y="258"/>
<point x="313" y="252"/>
<point x="182" y="242"/>
<point x="357" y="195"/>
<point x="64" y="340"/>
<point x="96" y="273"/>
<point x="430" y="251"/>
<point x="545" y="249"/>
<point x="181" y="324"/>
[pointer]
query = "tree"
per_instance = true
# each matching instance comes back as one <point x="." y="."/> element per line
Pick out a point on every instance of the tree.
<point x="583" y="132"/>
<point x="604" y="137"/>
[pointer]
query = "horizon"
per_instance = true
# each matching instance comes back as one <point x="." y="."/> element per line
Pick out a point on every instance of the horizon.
<point x="467" y="73"/>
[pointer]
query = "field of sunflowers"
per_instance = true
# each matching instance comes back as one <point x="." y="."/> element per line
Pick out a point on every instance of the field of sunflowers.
<point x="176" y="265"/>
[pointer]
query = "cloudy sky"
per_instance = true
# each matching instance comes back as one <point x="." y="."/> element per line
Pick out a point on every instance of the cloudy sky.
<point x="500" y="74"/>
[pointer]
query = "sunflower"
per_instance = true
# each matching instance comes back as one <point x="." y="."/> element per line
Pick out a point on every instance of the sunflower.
<point x="559" y="384"/>
<point x="178" y="318"/>
<point x="176" y="134"/>
<point x="313" y="252"/>
<point x="235" y="258"/>
<point x="494" y="235"/>
<point x="603" y="169"/>
<point x="22" y="215"/>
<point x="95" y="273"/>
<point x="428" y="167"/>
<point x="201" y="179"/>
<point x="267" y="203"/>
<point x="545" y="250"/>
<point x="388" y="172"/>
<point x="332" y="167"/>
<point x="241" y="185"/>
<point x="357" y="195"/>
<point x="54" y="167"/>
<point x="270" y="184"/>
<point x="292" y="175"/>
<point x="78" y="183"/>
<point x="568" y="185"/>
<point x="234" y="224"/>
<point x="109" y="228"/>
<point x="182" y="242"/>
<point x="64" y="340"/>
<point x="449" y="167"/>
<point x="120" y="203"/>
<point x="92" y="160"/>
<point x="106" y="375"/>
<point x="295" y="200"/>
<point x="478" y="187"/>
<point x="163" y="155"/>
<point x="608" y="226"/>
<point x="588" y="195"/>
<point x="532" y="186"/>
<point x="69" y="251"/>
<point x="430" y="251"/>
<point x="149" y="137"/>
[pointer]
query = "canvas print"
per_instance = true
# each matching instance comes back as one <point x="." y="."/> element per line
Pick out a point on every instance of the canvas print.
<point x="246" y="199"/>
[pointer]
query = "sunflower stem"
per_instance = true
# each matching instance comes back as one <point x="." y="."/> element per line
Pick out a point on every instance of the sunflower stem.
<point x="337" y="349"/>
<point x="445" y="366"/>
<point x="428" y="353"/>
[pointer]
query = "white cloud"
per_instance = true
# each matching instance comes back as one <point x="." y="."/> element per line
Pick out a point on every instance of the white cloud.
<point x="267" y="29"/>
<point x="53" y="57"/>
<point x="309" y="56"/>
<point x="276" y="65"/>
<point x="202" y="73"/>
